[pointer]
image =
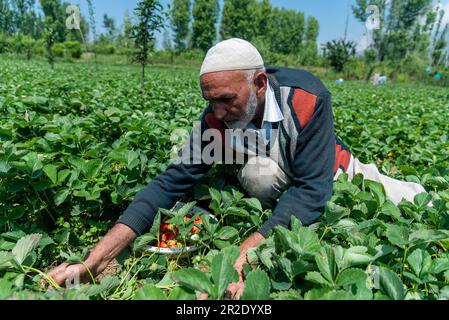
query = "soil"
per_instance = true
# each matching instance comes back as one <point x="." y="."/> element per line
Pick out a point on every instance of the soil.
<point x="111" y="270"/>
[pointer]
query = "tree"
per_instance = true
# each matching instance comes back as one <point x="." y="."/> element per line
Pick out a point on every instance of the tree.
<point x="92" y="22"/>
<point x="6" y="18"/>
<point x="126" y="38"/>
<point x="150" y="16"/>
<point x="109" y="25"/>
<point x="180" y="20"/>
<point x="311" y="48"/>
<point x="400" y="31"/>
<point x="50" y="39"/>
<point x="439" y="45"/>
<point x="260" y="13"/>
<point x="205" y="15"/>
<point x="287" y="31"/>
<point x="339" y="53"/>
<point x="236" y="20"/>
<point x="24" y="23"/>
<point x="53" y="9"/>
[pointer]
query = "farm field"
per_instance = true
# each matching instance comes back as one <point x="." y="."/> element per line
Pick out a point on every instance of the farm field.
<point x="74" y="151"/>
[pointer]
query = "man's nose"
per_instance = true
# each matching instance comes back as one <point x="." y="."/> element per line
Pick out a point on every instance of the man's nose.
<point x="219" y="112"/>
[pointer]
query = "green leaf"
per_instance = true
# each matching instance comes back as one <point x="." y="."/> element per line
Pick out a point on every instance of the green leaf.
<point x="5" y="289"/>
<point x="239" y="212"/>
<point x="296" y="224"/>
<point x="149" y="292"/>
<point x="223" y="271"/>
<point x="427" y="235"/>
<point x="253" y="203"/>
<point x="390" y="284"/>
<point x="141" y="243"/>
<point x="356" y="256"/>
<point x="316" y="294"/>
<point x="227" y="233"/>
<point x="91" y="168"/>
<point x="422" y="200"/>
<point x="338" y="295"/>
<point x="5" y="260"/>
<point x="154" y="230"/>
<point x="420" y="261"/>
<point x="284" y="239"/>
<point x="193" y="279"/>
<point x="106" y="285"/>
<point x="378" y="191"/>
<point x="389" y="209"/>
<point x="60" y="196"/>
<point x="286" y="295"/>
<point x="307" y="242"/>
<point x="180" y="293"/>
<point x="185" y="209"/>
<point x="257" y="286"/>
<point x="25" y="246"/>
<point x="215" y="195"/>
<point x="325" y="260"/>
<point x="335" y="212"/>
<point x="33" y="163"/>
<point x="52" y="172"/>
<point x="352" y="276"/>
<point x="439" y="265"/>
<point x="4" y="166"/>
<point x="398" y="235"/>
<point x="317" y="278"/>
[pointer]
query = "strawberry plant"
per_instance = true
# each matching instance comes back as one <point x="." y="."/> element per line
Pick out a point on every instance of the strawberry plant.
<point x="74" y="152"/>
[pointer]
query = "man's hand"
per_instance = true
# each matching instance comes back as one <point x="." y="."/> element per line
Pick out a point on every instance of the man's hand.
<point x="117" y="239"/>
<point x="235" y="290"/>
<point x="66" y="275"/>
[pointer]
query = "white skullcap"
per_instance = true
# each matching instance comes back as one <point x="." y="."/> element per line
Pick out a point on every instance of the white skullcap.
<point x="232" y="54"/>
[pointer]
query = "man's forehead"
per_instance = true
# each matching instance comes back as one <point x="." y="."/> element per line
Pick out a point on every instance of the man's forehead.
<point x="222" y="78"/>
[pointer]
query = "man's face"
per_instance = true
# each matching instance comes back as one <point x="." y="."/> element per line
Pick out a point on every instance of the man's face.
<point x="231" y="97"/>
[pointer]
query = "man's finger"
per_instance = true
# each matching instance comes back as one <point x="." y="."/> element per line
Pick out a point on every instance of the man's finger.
<point x="203" y="296"/>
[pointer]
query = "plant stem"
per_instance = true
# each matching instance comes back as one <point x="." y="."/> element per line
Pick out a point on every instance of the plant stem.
<point x="49" y="279"/>
<point x="403" y="262"/>
<point x="90" y="273"/>
<point x="326" y="229"/>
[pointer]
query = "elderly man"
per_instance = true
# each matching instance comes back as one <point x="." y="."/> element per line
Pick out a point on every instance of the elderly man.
<point x="289" y="111"/>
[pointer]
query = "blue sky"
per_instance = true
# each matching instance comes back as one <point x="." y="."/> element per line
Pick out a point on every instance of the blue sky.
<point x="331" y="14"/>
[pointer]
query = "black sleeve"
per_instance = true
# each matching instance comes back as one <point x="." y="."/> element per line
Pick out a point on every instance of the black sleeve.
<point x="313" y="169"/>
<point x="167" y="188"/>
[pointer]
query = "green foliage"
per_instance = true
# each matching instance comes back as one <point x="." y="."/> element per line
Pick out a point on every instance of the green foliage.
<point x="150" y="20"/>
<point x="339" y="53"/>
<point x="287" y="29"/>
<point x="236" y="20"/>
<point x="180" y="20"/>
<point x="406" y="28"/>
<point x="63" y="182"/>
<point x="205" y="14"/>
<point x="50" y="39"/>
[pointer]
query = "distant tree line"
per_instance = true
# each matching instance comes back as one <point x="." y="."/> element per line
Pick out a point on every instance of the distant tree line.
<point x="410" y="37"/>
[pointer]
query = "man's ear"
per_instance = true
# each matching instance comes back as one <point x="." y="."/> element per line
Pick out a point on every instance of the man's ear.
<point x="261" y="83"/>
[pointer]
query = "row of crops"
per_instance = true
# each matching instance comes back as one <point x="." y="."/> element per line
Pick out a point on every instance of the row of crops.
<point x="74" y="151"/>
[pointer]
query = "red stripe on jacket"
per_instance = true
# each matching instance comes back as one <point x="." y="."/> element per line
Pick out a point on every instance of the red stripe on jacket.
<point x="342" y="159"/>
<point x="304" y="106"/>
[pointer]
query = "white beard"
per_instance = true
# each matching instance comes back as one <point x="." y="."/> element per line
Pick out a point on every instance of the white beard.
<point x="251" y="110"/>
